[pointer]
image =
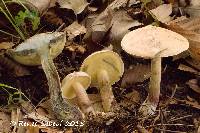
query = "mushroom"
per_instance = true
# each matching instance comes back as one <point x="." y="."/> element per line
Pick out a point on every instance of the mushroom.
<point x="41" y="49"/>
<point x="153" y="42"/>
<point x="75" y="85"/>
<point x="105" y="68"/>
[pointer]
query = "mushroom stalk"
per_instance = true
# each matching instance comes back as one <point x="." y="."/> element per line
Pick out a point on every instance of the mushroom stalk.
<point x="63" y="110"/>
<point x="155" y="79"/>
<point x="83" y="99"/>
<point x="150" y="104"/>
<point x="105" y="89"/>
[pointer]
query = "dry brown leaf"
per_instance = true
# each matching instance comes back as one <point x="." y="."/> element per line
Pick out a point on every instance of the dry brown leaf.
<point x="52" y="18"/>
<point x="73" y="47"/>
<point x="193" y="83"/>
<point x="193" y="9"/>
<point x="187" y="69"/>
<point x="6" y="45"/>
<point x="4" y="122"/>
<point x="162" y="12"/>
<point x="17" y="68"/>
<point x="187" y="29"/>
<point x="185" y="102"/>
<point x="137" y="73"/>
<point x="32" y="129"/>
<point x="76" y="5"/>
<point x="131" y="100"/>
<point x="101" y="25"/>
<point x="121" y="19"/>
<point x="74" y="30"/>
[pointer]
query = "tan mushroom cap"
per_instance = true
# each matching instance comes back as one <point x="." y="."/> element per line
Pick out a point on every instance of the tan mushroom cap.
<point x="146" y="42"/>
<point x="66" y="86"/>
<point x="107" y="60"/>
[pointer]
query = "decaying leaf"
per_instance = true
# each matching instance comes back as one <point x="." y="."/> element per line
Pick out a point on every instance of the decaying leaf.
<point x="74" y="30"/>
<point x="6" y="45"/>
<point x="101" y="25"/>
<point x="17" y="68"/>
<point x="193" y="83"/>
<point x="135" y="74"/>
<point x="4" y="122"/>
<point x="73" y="47"/>
<point x="193" y="9"/>
<point x="162" y="12"/>
<point x="52" y="18"/>
<point x="121" y="19"/>
<point x="187" y="69"/>
<point x="187" y="28"/>
<point x="76" y="5"/>
<point x="131" y="100"/>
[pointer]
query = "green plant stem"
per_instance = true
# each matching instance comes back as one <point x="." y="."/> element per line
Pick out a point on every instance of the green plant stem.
<point x="16" y="28"/>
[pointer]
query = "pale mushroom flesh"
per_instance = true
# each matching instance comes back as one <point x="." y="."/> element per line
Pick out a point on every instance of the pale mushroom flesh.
<point x="42" y="50"/>
<point x="105" y="68"/>
<point x="75" y="85"/>
<point x="153" y="42"/>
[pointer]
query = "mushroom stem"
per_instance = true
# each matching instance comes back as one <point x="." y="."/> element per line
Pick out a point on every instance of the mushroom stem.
<point x="154" y="88"/>
<point x="63" y="110"/>
<point x="105" y="89"/>
<point x="150" y="104"/>
<point x="83" y="98"/>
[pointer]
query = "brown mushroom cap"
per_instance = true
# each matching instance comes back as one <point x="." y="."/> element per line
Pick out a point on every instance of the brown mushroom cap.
<point x="146" y="42"/>
<point x="103" y="60"/>
<point x="67" y="88"/>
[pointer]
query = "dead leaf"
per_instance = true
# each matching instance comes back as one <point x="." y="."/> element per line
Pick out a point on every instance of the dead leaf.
<point x="187" y="69"/>
<point x="4" y="122"/>
<point x="17" y="68"/>
<point x="193" y="9"/>
<point x="187" y="28"/>
<point x="185" y="102"/>
<point x="193" y="83"/>
<point x="162" y="12"/>
<point x="131" y="100"/>
<point x="101" y="25"/>
<point x="32" y="129"/>
<point x="52" y="18"/>
<point x="137" y="73"/>
<point x="76" y="5"/>
<point x="41" y="5"/>
<point x="6" y="45"/>
<point x="73" y="47"/>
<point x="121" y="19"/>
<point x="74" y="30"/>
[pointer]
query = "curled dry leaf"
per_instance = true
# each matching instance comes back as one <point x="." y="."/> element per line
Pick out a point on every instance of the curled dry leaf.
<point x="137" y="73"/>
<point x="73" y="47"/>
<point x="17" y="68"/>
<point x="162" y="12"/>
<point x="52" y="18"/>
<point x="189" y="28"/>
<point x="131" y="100"/>
<point x="76" y="5"/>
<point x="193" y="9"/>
<point x="187" y="69"/>
<point x="193" y="83"/>
<point x="74" y="30"/>
<point x="121" y="19"/>
<point x="4" y="122"/>
<point x="6" y="45"/>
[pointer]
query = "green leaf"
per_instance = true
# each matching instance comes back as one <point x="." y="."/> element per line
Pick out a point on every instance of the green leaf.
<point x="31" y="16"/>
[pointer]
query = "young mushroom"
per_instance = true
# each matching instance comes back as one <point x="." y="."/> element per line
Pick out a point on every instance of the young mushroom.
<point x="75" y="85"/>
<point x="41" y="49"/>
<point x="153" y="42"/>
<point x="105" y="68"/>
